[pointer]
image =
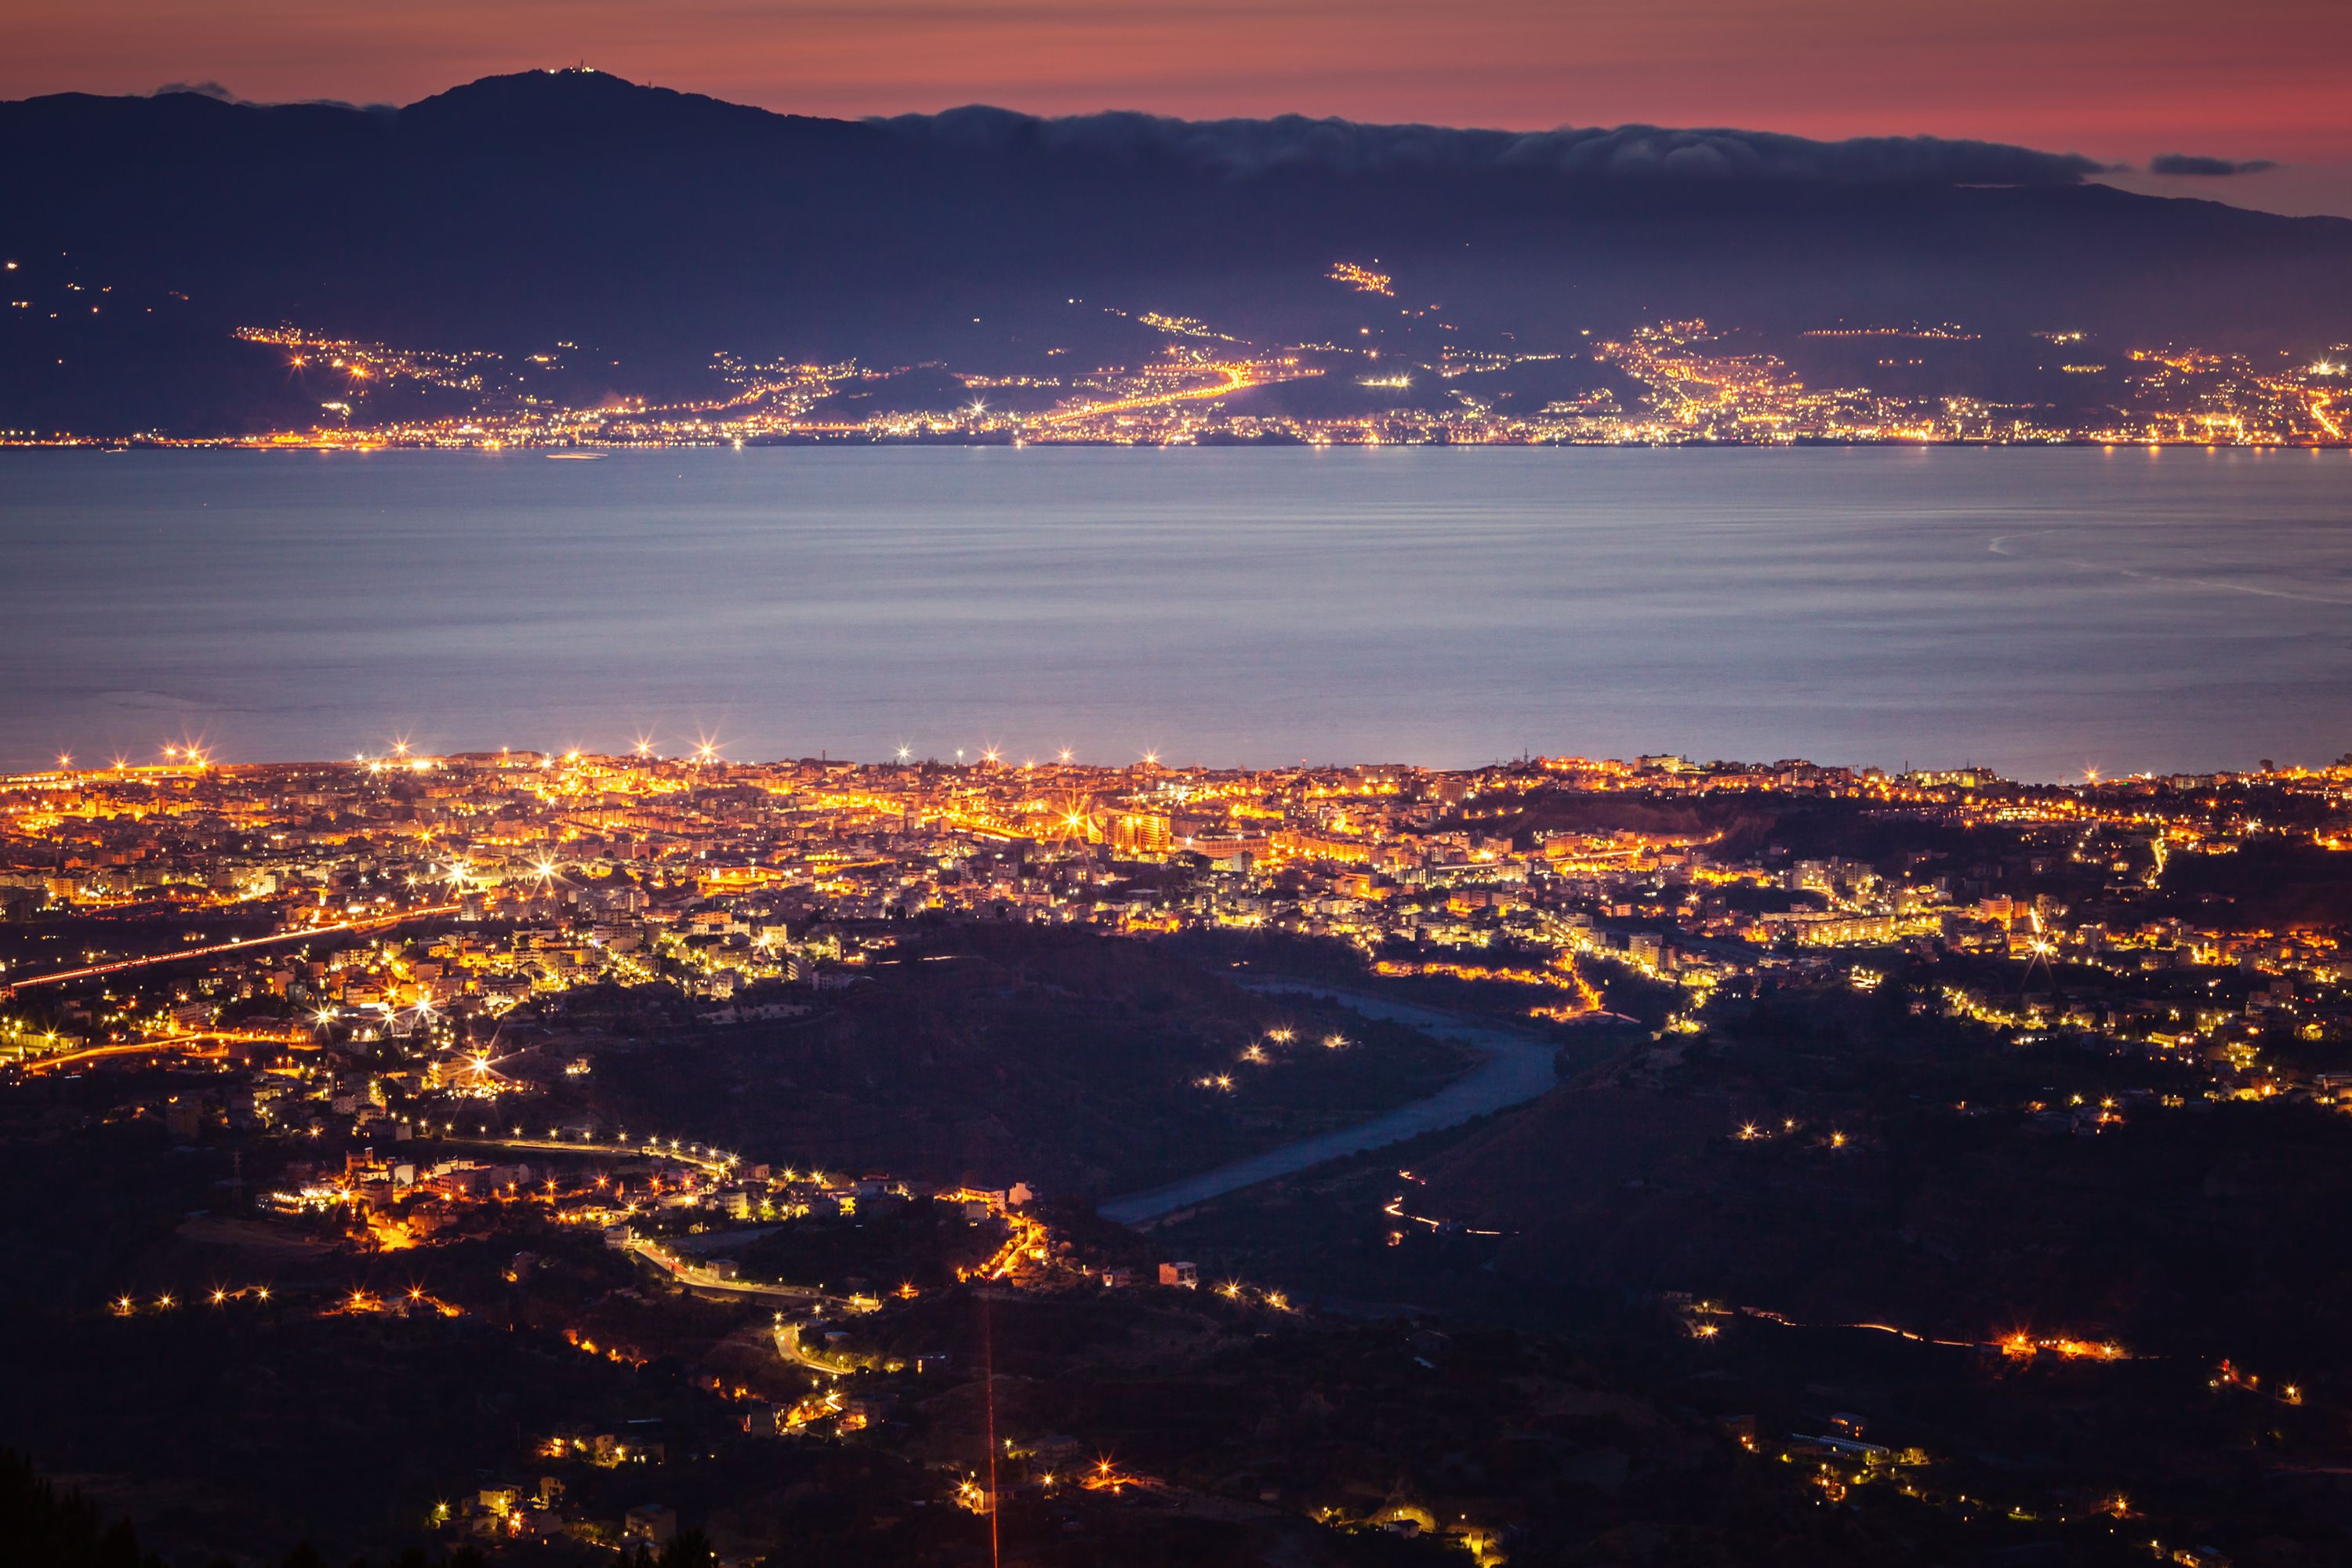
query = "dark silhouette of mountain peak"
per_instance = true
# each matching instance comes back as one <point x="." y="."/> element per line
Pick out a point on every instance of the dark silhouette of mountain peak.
<point x="572" y="100"/>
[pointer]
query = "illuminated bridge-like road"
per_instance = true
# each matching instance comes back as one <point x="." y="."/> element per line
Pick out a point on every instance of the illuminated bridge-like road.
<point x="118" y="966"/>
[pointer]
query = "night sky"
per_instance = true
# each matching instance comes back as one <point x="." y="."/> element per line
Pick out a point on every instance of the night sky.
<point x="2122" y="80"/>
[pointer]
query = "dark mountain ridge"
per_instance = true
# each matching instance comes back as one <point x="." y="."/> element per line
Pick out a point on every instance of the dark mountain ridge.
<point x="658" y="227"/>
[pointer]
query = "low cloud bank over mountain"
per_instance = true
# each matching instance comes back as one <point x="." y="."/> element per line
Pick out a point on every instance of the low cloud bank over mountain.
<point x="2191" y="163"/>
<point x="1292" y="142"/>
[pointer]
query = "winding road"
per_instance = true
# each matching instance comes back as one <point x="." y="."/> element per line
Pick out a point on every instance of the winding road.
<point x="702" y="1277"/>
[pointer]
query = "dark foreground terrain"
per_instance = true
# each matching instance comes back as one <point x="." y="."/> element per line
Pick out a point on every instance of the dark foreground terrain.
<point x="1837" y="1275"/>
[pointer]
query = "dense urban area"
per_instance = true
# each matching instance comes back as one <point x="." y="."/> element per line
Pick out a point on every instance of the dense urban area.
<point x="556" y="1155"/>
<point x="1667" y="383"/>
<point x="1407" y="375"/>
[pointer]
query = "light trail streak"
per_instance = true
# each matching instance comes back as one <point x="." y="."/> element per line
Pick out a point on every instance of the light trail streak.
<point x="2018" y="1345"/>
<point x="1237" y="379"/>
<point x="988" y="1401"/>
<point x="2319" y="406"/>
<point x="712" y="1162"/>
<point x="119" y="965"/>
<point x="133" y="1048"/>
<point x="163" y="1043"/>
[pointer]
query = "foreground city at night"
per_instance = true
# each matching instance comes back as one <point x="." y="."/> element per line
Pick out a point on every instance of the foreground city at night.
<point x="548" y="1154"/>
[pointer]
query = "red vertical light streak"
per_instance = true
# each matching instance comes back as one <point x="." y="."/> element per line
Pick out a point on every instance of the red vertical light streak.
<point x="988" y="1403"/>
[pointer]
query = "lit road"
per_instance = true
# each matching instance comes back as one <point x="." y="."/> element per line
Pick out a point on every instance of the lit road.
<point x="1237" y="379"/>
<point x="673" y="1260"/>
<point x="708" y="1160"/>
<point x="2320" y="403"/>
<point x="701" y="1277"/>
<point x="789" y="1346"/>
<point x="187" y="1045"/>
<point x="1517" y="1069"/>
<point x="90" y="972"/>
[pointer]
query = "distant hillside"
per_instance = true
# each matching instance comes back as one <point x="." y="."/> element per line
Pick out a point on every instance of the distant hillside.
<point x="651" y="228"/>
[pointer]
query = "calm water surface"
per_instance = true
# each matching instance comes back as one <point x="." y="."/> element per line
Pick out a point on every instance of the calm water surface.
<point x="2038" y="611"/>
